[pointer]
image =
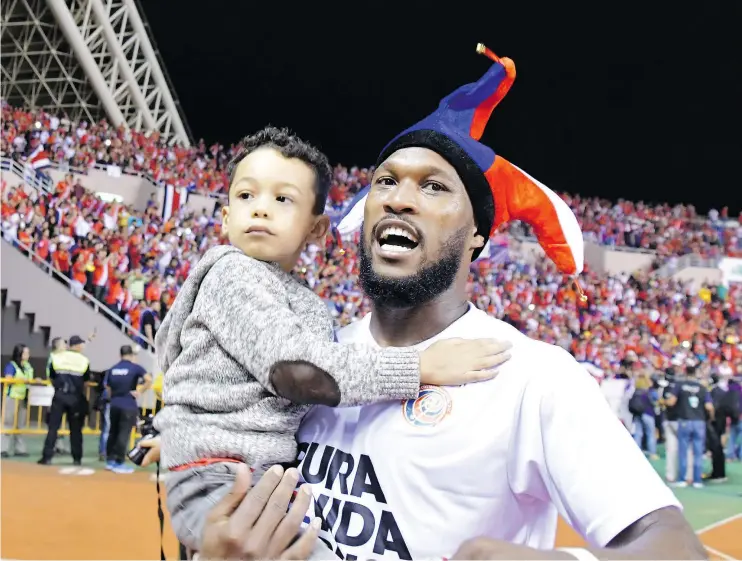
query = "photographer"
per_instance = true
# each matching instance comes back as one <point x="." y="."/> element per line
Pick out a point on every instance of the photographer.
<point x="153" y="451"/>
<point x="121" y="382"/>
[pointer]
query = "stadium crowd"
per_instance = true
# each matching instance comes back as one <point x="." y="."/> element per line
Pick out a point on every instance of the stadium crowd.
<point x="669" y="230"/>
<point x="135" y="261"/>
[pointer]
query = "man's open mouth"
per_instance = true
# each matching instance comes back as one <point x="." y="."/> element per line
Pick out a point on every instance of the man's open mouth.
<point x="397" y="238"/>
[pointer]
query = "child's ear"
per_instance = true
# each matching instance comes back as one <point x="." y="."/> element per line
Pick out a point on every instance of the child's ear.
<point x="318" y="233"/>
<point x="225" y="218"/>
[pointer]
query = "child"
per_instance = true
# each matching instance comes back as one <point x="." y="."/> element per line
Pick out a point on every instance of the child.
<point x="240" y="312"/>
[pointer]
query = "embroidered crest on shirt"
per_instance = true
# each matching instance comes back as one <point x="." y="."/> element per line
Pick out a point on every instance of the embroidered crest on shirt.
<point x="433" y="404"/>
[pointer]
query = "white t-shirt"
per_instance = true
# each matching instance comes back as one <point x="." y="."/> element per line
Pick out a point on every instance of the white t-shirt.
<point x="82" y="227"/>
<point x="415" y="479"/>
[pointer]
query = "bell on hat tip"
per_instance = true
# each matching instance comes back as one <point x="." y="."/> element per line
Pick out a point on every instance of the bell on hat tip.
<point x="580" y="293"/>
<point x="482" y="50"/>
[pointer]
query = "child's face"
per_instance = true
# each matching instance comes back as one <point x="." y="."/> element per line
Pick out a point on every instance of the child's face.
<point x="270" y="215"/>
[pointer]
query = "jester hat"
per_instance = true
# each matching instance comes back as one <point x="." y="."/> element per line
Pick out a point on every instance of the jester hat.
<point x="499" y="191"/>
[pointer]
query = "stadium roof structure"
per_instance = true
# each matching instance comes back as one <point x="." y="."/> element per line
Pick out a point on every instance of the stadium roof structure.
<point x="89" y="59"/>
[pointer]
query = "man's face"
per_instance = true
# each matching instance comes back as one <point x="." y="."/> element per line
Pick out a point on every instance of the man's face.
<point x="418" y="229"/>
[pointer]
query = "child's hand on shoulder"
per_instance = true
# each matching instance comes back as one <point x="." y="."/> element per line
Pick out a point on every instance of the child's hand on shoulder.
<point x="454" y="362"/>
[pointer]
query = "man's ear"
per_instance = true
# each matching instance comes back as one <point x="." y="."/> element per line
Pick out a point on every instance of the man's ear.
<point x="318" y="233"/>
<point x="477" y="240"/>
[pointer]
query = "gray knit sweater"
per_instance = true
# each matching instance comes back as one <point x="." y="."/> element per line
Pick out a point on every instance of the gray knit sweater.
<point x="233" y="319"/>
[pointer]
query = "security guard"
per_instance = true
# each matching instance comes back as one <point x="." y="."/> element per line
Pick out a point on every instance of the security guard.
<point x="59" y="345"/>
<point x="14" y="414"/>
<point x="69" y="370"/>
<point x="121" y="381"/>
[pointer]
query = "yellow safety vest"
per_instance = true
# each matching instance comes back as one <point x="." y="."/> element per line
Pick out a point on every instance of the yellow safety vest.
<point x="69" y="367"/>
<point x="49" y="362"/>
<point x="24" y="372"/>
<point x="70" y="362"/>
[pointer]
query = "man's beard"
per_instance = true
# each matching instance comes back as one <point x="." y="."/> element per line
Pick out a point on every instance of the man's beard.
<point x="430" y="280"/>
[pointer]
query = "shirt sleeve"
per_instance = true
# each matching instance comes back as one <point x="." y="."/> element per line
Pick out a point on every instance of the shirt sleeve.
<point x="9" y="370"/>
<point x="590" y="466"/>
<point x="148" y="318"/>
<point x="246" y="311"/>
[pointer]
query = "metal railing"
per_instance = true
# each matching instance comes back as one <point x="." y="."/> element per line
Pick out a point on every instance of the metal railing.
<point x="27" y="174"/>
<point x="29" y="414"/>
<point x="675" y="265"/>
<point x="623" y="248"/>
<point x="97" y="305"/>
<point x="33" y="421"/>
<point x="9" y="163"/>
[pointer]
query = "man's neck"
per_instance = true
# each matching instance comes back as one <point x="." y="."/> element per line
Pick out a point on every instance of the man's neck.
<point x="394" y="327"/>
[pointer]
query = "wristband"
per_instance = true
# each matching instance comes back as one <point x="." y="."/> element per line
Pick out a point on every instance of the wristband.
<point x="579" y="553"/>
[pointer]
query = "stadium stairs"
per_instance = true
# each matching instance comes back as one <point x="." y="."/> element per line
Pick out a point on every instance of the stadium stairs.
<point x="19" y="328"/>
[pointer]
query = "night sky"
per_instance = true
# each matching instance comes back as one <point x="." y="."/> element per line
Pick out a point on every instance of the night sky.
<point x="611" y="99"/>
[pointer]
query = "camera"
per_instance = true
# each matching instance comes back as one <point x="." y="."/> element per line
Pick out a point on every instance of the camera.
<point x="148" y="431"/>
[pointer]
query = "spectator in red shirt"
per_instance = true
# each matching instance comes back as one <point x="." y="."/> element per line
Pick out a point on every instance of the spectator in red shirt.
<point x="79" y="277"/>
<point x="153" y="292"/>
<point x="115" y="296"/>
<point x="61" y="261"/>
<point x="41" y="248"/>
<point x="100" y="274"/>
